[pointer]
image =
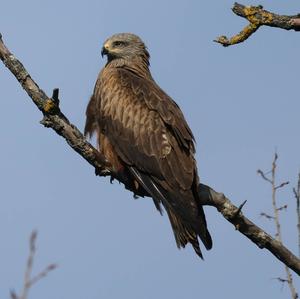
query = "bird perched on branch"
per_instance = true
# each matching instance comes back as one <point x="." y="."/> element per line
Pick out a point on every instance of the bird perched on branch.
<point x="143" y="134"/>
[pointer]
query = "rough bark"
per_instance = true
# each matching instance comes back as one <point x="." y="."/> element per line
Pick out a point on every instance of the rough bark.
<point x="55" y="119"/>
<point x="257" y="235"/>
<point x="258" y="17"/>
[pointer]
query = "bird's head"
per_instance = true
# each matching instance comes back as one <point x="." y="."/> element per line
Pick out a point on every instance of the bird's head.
<point x="124" y="45"/>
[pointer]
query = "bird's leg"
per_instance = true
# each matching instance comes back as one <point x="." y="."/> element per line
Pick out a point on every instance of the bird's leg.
<point x="104" y="168"/>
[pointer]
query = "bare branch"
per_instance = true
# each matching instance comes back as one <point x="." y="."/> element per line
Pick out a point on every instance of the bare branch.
<point x="297" y="196"/>
<point x="269" y="217"/>
<point x="247" y="227"/>
<point x="282" y="185"/>
<point x="13" y="294"/>
<point x="238" y="211"/>
<point x="262" y="174"/>
<point x="32" y="249"/>
<point x="28" y="281"/>
<point x="281" y="280"/>
<point x="284" y="207"/>
<point x="54" y="118"/>
<point x="274" y="203"/>
<point x="42" y="274"/>
<point x="289" y="277"/>
<point x="258" y="17"/>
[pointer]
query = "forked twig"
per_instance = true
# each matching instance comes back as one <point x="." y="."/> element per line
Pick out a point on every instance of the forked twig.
<point x="258" y="17"/>
<point x="29" y="281"/>
<point x="276" y="210"/>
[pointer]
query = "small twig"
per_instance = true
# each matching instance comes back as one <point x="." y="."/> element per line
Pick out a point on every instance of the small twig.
<point x="274" y="203"/>
<point x="281" y="280"/>
<point x="284" y="207"/>
<point x="274" y="189"/>
<point x="238" y="211"/>
<point x="55" y="94"/>
<point x="297" y="196"/>
<point x="28" y="281"/>
<point x="282" y="185"/>
<point x="289" y="278"/>
<point x="263" y="175"/>
<point x="32" y="250"/>
<point x="258" y="17"/>
<point x="269" y="217"/>
<point x="13" y="294"/>
<point x="42" y="274"/>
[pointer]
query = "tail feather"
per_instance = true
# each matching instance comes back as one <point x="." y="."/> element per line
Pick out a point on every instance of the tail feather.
<point x="184" y="231"/>
<point x="183" y="234"/>
<point x="205" y="236"/>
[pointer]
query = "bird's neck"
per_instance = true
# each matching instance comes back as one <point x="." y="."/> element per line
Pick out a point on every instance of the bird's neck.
<point x="138" y="65"/>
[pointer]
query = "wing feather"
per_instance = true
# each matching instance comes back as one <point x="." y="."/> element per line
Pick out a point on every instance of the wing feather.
<point x="148" y="132"/>
<point x="146" y="127"/>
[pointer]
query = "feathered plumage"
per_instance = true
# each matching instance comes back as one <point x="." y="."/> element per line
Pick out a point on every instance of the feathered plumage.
<point x="143" y="134"/>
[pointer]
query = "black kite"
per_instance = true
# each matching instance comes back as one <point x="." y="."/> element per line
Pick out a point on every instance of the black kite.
<point x="144" y="135"/>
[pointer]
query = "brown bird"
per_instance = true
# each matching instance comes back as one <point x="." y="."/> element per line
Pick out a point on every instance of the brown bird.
<point x="143" y="134"/>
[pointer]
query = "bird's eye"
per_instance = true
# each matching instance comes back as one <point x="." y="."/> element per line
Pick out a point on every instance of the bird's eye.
<point x="119" y="43"/>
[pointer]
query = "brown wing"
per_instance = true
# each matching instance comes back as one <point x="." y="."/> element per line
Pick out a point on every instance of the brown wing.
<point x="150" y="135"/>
<point x="146" y="128"/>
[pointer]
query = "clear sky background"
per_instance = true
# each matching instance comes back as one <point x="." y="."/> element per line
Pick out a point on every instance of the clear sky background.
<point x="241" y="102"/>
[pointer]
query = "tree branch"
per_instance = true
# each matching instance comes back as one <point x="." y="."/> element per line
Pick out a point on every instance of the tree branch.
<point x="257" y="17"/>
<point x="248" y="228"/>
<point x="29" y="281"/>
<point x="54" y="119"/>
<point x="289" y="277"/>
<point x="297" y="196"/>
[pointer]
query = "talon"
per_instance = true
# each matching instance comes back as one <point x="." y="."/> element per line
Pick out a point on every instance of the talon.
<point x="102" y="171"/>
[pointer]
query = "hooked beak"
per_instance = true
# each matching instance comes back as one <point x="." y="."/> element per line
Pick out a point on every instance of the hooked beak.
<point x="104" y="51"/>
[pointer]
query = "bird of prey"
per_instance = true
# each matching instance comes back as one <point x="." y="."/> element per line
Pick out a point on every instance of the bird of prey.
<point x="144" y="136"/>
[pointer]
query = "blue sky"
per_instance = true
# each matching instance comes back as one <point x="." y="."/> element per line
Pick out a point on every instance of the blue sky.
<point x="241" y="102"/>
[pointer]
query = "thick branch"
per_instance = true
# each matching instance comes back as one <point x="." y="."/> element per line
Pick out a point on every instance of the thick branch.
<point x="257" y="17"/>
<point x="54" y="119"/>
<point x="248" y="228"/>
